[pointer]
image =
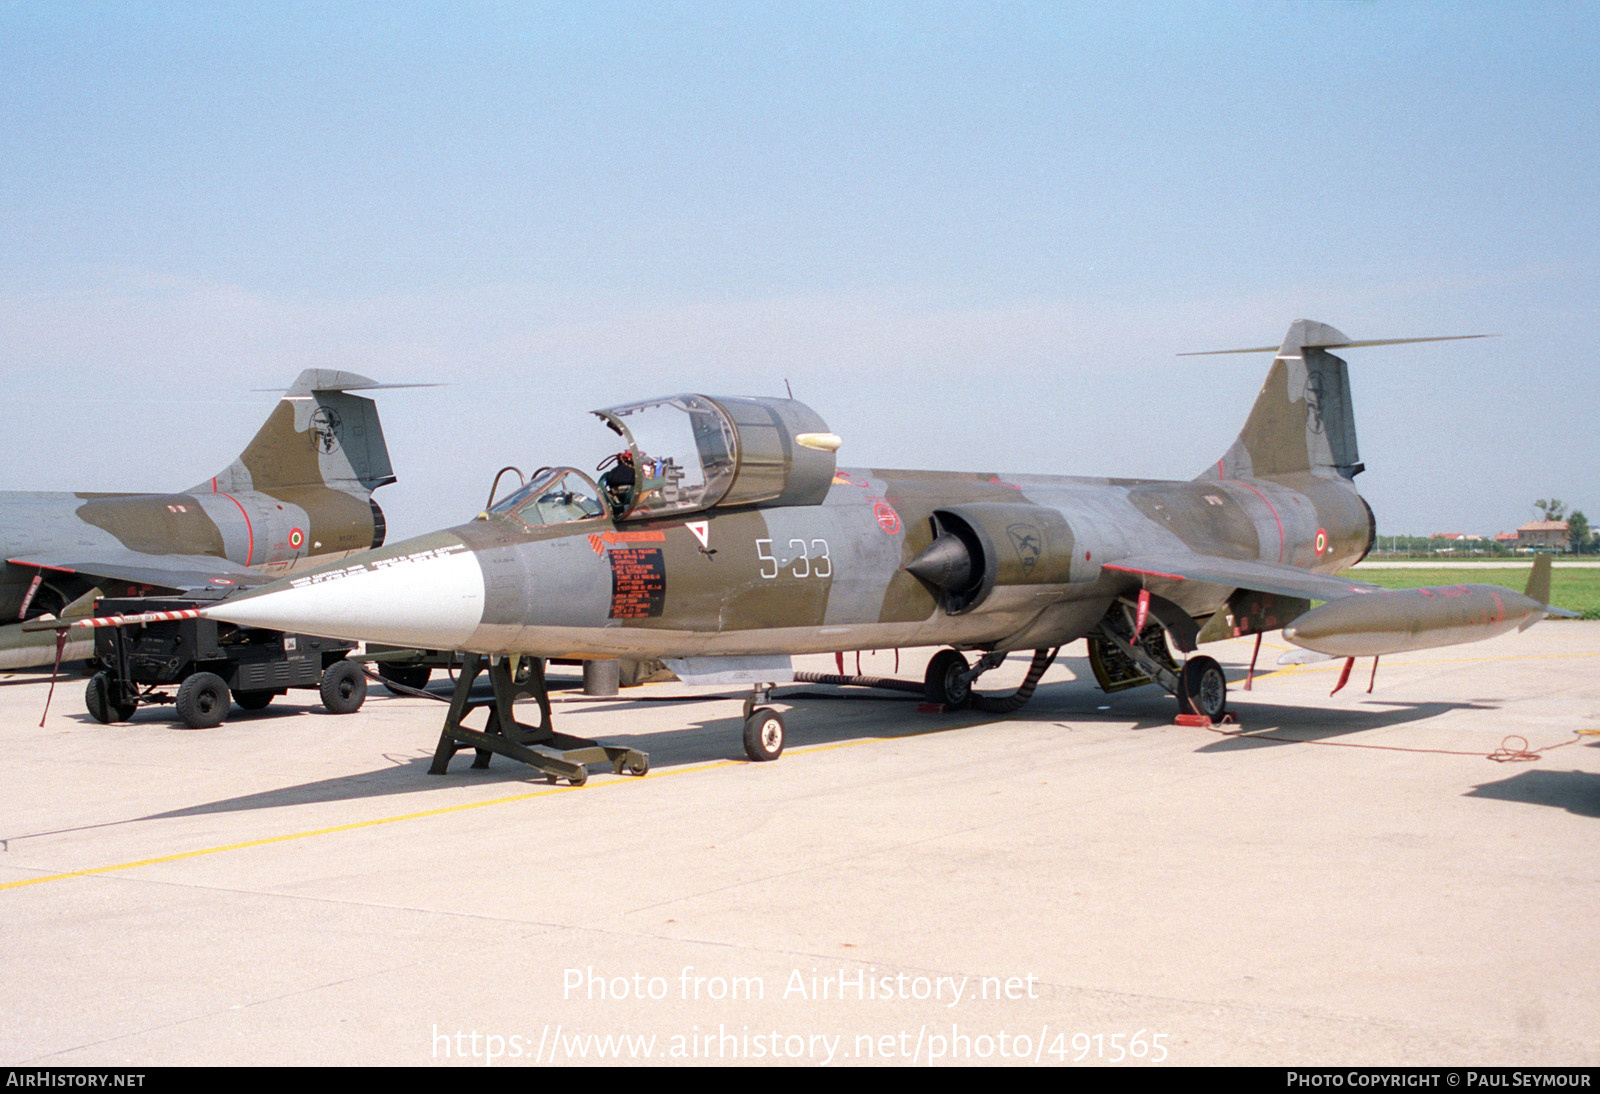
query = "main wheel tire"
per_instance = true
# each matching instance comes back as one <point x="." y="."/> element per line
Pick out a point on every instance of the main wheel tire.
<point x="343" y="688"/>
<point x="1203" y="688"/>
<point x="944" y="683"/>
<point x="102" y="708"/>
<point x="407" y="676"/>
<point x="253" y="700"/>
<point x="203" y="700"/>
<point x="763" y="735"/>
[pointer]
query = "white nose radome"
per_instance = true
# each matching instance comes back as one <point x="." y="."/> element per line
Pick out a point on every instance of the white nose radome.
<point x="432" y="599"/>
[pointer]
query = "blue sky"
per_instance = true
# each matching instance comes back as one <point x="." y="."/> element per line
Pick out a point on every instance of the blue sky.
<point x="969" y="235"/>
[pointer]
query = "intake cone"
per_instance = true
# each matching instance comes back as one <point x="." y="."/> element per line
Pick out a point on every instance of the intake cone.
<point x="946" y="564"/>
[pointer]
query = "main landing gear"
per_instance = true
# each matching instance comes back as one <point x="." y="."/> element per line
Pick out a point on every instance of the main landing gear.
<point x="1203" y="689"/>
<point x="947" y="684"/>
<point x="948" y="681"/>
<point x="558" y="755"/>
<point x="1121" y="660"/>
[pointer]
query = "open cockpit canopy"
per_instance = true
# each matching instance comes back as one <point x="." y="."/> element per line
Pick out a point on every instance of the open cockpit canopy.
<point x="692" y="452"/>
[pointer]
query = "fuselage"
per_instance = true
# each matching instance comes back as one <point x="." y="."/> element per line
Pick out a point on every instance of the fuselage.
<point x="813" y="578"/>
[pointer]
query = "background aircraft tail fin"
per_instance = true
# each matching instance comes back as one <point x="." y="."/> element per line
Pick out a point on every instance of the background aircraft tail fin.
<point x="318" y="435"/>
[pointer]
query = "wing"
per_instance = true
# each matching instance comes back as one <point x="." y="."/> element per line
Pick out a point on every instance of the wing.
<point x="177" y="572"/>
<point x="1266" y="577"/>
<point x="1354" y="625"/>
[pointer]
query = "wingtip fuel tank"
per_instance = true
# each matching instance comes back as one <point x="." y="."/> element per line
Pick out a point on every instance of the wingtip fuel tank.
<point x="1400" y="620"/>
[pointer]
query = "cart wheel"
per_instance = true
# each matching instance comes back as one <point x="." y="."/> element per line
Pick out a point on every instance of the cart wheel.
<point x="407" y="676"/>
<point x="1203" y="688"/>
<point x="97" y="697"/>
<point x="253" y="700"/>
<point x="639" y="764"/>
<point x="943" y="684"/>
<point x="344" y="687"/>
<point x="763" y="735"/>
<point x="203" y="700"/>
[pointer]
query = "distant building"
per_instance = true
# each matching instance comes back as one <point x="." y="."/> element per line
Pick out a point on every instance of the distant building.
<point x="1506" y="539"/>
<point x="1551" y="534"/>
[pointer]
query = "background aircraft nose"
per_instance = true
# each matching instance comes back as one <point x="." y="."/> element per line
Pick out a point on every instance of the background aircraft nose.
<point x="432" y="598"/>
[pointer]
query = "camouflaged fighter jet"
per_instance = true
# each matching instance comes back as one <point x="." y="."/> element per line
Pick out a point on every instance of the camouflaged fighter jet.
<point x="723" y="539"/>
<point x="302" y="490"/>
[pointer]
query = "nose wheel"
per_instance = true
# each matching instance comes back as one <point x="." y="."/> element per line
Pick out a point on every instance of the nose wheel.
<point x="763" y="735"/>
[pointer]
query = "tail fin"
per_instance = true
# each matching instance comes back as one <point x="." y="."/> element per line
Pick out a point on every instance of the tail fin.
<point x="1539" y="579"/>
<point x="1539" y="589"/>
<point x="1302" y="422"/>
<point x="318" y="435"/>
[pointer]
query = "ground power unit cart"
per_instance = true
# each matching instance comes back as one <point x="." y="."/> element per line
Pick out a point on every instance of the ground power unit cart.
<point x="204" y="666"/>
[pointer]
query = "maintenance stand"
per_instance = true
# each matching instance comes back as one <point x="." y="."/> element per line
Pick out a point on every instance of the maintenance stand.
<point x="556" y="754"/>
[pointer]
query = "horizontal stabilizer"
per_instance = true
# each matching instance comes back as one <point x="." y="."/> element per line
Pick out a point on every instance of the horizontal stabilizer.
<point x="327" y="379"/>
<point x="1341" y="345"/>
<point x="176" y="572"/>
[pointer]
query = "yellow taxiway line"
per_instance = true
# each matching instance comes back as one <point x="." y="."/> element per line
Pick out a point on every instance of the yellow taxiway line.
<point x="441" y="811"/>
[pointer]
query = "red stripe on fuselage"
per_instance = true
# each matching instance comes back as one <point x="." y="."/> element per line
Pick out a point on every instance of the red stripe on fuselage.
<point x="1223" y="476"/>
<point x="250" y="547"/>
<point x="1278" y="520"/>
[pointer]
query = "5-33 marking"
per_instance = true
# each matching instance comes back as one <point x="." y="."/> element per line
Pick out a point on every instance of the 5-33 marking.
<point x="804" y="558"/>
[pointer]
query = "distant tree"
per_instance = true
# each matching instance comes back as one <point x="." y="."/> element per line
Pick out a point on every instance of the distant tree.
<point x="1553" y="508"/>
<point x="1580" y="539"/>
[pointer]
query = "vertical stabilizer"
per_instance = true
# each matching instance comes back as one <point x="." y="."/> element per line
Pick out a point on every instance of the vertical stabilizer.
<point x="317" y="435"/>
<point x="1302" y="422"/>
<point x="1539" y="580"/>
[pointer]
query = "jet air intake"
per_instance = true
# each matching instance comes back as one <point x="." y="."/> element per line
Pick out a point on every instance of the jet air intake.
<point x="948" y="566"/>
<point x="977" y="547"/>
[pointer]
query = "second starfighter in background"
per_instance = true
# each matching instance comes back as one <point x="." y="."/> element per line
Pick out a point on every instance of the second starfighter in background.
<point x="301" y="490"/>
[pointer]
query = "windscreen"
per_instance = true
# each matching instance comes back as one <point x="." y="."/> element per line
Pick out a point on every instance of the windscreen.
<point x="557" y="496"/>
